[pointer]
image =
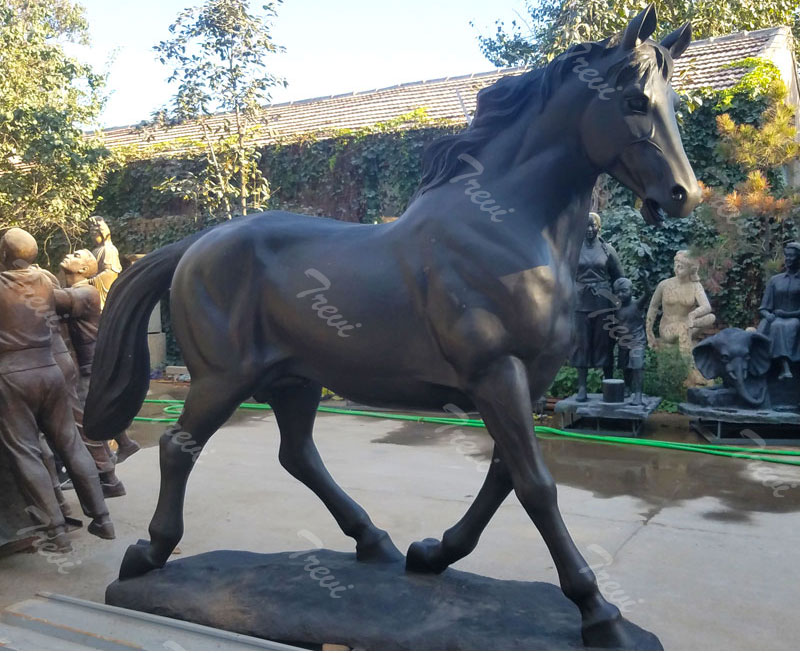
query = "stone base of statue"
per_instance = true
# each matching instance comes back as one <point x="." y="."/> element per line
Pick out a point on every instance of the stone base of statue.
<point x="597" y="415"/>
<point x="311" y="598"/>
<point x="721" y="416"/>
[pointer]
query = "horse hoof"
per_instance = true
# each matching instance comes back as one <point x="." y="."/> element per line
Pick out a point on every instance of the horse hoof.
<point x="381" y="549"/>
<point x="620" y="634"/>
<point x="137" y="561"/>
<point x="424" y="557"/>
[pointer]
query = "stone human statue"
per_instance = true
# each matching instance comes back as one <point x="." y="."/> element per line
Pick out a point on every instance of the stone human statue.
<point x="81" y="307"/>
<point x="109" y="268"/>
<point x="598" y="269"/>
<point x="107" y="255"/>
<point x="631" y="345"/>
<point x="34" y="394"/>
<point x="780" y="310"/>
<point x="686" y="311"/>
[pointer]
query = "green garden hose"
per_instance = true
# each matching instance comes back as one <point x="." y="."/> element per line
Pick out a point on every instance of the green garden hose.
<point x="175" y="406"/>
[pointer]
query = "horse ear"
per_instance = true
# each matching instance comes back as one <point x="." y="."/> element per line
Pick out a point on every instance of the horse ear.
<point x="677" y="42"/>
<point x="760" y="360"/>
<point x="707" y="359"/>
<point x="640" y="28"/>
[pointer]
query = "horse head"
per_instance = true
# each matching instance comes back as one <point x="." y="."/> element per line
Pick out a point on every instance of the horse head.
<point x="628" y="126"/>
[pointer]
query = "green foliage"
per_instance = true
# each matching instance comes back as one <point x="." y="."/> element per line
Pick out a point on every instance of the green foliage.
<point x="355" y="175"/>
<point x="666" y="369"/>
<point x="551" y="26"/>
<point x="646" y="252"/>
<point x="219" y="53"/>
<point x="358" y="176"/>
<point x="566" y="382"/>
<point x="49" y="169"/>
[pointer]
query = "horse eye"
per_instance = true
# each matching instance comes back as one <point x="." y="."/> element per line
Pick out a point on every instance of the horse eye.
<point x="639" y="104"/>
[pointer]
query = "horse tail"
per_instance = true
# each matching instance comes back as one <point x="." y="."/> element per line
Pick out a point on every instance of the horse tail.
<point x="121" y="367"/>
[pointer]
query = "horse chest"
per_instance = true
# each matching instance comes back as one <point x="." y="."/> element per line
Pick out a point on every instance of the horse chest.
<point x="541" y="307"/>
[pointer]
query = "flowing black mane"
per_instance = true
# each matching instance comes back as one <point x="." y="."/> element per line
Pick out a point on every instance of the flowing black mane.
<point x="501" y="102"/>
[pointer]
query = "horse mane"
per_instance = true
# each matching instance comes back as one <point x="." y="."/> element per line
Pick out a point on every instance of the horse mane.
<point x="504" y="100"/>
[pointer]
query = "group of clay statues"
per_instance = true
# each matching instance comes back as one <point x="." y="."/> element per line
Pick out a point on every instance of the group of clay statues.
<point x="607" y="316"/>
<point x="44" y="382"/>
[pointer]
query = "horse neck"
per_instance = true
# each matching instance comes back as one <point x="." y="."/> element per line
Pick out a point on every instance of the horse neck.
<point x="541" y="163"/>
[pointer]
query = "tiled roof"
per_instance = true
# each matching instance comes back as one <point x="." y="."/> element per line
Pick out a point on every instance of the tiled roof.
<point x="442" y="99"/>
<point x="449" y="98"/>
<point x="704" y="62"/>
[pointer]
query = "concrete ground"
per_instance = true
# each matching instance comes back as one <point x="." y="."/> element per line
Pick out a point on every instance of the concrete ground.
<point x="697" y="548"/>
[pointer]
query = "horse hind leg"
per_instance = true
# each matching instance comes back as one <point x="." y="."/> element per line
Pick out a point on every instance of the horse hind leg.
<point x="209" y="404"/>
<point x="295" y="410"/>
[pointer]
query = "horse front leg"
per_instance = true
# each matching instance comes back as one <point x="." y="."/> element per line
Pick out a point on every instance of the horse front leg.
<point x="431" y="555"/>
<point x="503" y="398"/>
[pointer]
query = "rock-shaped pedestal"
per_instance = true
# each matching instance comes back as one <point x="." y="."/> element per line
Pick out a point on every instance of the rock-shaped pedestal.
<point x="322" y="596"/>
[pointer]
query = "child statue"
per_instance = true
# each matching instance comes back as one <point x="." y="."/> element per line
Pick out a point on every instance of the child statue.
<point x="632" y="342"/>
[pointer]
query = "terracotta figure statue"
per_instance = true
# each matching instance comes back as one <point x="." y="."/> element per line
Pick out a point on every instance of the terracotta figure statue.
<point x="686" y="311"/>
<point x="780" y="310"/>
<point x="34" y="393"/>
<point x="81" y="306"/>
<point x="598" y="269"/>
<point x="466" y="299"/>
<point x="632" y="342"/>
<point x="107" y="255"/>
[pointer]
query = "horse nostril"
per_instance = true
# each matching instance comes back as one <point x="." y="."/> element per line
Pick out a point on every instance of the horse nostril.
<point x="678" y="193"/>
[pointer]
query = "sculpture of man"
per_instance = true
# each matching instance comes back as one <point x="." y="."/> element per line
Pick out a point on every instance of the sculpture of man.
<point x="633" y="341"/>
<point x="598" y="268"/>
<point x="34" y="393"/>
<point x="81" y="306"/>
<point x="686" y="311"/>
<point x="780" y="310"/>
<point x="107" y="255"/>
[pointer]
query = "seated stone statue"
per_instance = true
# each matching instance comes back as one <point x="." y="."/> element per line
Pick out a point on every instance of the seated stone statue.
<point x="686" y="311"/>
<point x="780" y="310"/>
<point x="34" y="394"/>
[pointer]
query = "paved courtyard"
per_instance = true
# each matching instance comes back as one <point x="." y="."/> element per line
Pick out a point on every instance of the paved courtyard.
<point x="696" y="548"/>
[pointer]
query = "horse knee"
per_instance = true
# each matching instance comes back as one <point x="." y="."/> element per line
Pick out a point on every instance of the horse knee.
<point x="293" y="460"/>
<point x="178" y="450"/>
<point x="538" y="495"/>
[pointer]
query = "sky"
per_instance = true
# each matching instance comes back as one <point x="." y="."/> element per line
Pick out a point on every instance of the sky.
<point x="332" y="46"/>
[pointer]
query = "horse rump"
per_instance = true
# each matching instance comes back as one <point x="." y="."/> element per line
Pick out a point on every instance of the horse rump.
<point x="121" y="367"/>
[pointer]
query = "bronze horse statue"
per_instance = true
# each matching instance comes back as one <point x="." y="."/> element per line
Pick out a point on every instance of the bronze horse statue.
<point x="466" y="299"/>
